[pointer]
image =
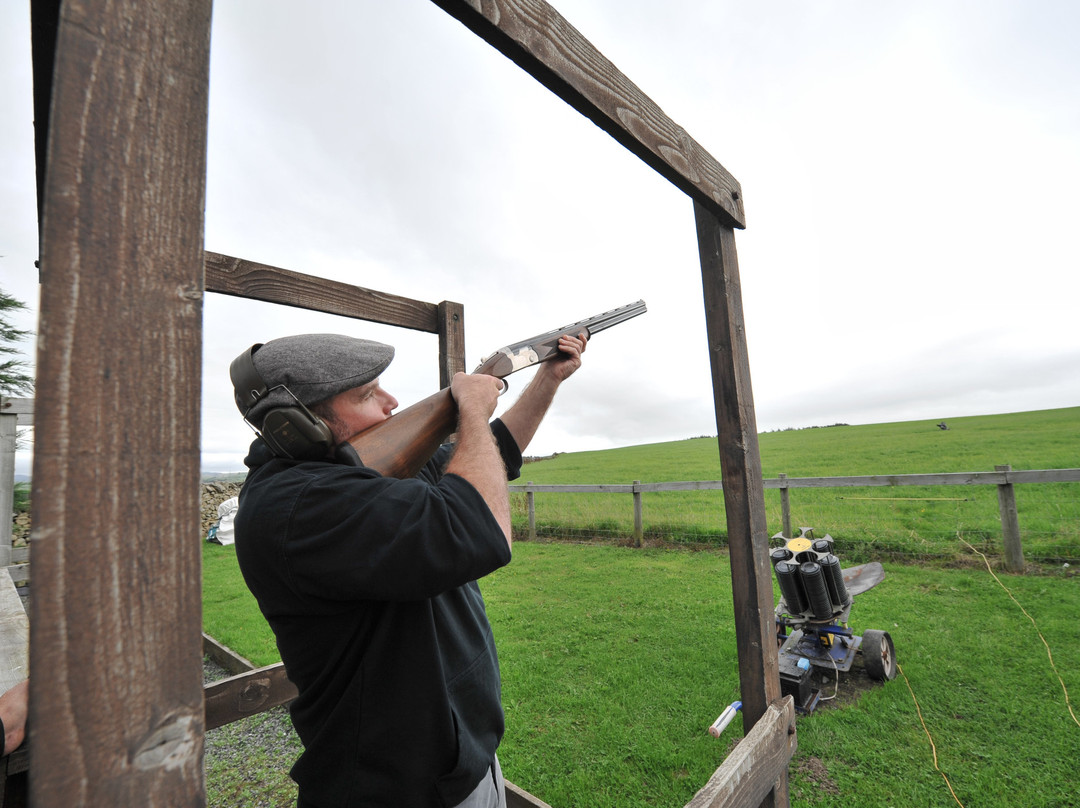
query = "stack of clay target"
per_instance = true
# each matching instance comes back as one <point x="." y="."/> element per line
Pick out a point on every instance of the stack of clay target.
<point x="810" y="578"/>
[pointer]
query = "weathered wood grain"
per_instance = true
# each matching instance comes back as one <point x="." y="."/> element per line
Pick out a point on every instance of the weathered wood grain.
<point x="225" y="657"/>
<point x="541" y="41"/>
<point x="451" y="320"/>
<point x="247" y="694"/>
<point x="250" y="279"/>
<point x="740" y="462"/>
<point x="748" y="773"/>
<point x="116" y="710"/>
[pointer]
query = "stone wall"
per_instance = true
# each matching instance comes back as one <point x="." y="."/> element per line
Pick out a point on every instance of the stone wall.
<point x="213" y="494"/>
<point x="20" y="529"/>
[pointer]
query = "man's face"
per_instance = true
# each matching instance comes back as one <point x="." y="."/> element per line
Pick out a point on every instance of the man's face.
<point x="360" y="408"/>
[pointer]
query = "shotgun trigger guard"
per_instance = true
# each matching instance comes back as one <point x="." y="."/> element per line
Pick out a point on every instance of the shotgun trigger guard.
<point x="505" y="387"/>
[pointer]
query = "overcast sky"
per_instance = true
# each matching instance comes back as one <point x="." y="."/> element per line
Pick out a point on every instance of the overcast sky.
<point x="910" y="175"/>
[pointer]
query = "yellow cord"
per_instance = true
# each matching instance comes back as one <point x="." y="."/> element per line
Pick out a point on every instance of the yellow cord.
<point x="933" y="748"/>
<point x="1049" y="655"/>
<point x="1041" y="637"/>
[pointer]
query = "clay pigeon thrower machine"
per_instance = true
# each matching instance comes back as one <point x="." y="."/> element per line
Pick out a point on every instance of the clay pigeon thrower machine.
<point x="815" y="603"/>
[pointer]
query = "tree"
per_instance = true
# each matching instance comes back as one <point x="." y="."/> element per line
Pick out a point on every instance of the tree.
<point x="14" y="380"/>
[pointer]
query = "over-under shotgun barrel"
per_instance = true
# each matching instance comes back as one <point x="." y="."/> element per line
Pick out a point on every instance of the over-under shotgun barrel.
<point x="544" y="346"/>
<point x="404" y="442"/>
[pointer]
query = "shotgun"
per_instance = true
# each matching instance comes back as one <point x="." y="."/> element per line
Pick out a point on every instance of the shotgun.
<point x="403" y="443"/>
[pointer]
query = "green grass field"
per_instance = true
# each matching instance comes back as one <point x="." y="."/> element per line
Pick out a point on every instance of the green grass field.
<point x="909" y="523"/>
<point x="615" y="660"/>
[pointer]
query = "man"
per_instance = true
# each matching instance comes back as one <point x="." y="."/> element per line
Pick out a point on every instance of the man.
<point x="369" y="582"/>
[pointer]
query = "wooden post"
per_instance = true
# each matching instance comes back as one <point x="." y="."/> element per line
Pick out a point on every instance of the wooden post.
<point x="116" y="703"/>
<point x="530" y="497"/>
<point x="749" y="771"/>
<point x="639" y="539"/>
<point x="1010" y="523"/>
<point x="451" y="341"/>
<point x="785" y="506"/>
<point x="744" y="494"/>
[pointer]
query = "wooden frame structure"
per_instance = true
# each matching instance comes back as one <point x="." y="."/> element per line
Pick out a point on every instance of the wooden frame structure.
<point x="121" y="100"/>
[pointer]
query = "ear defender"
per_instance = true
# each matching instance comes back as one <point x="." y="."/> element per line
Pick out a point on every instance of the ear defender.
<point x="293" y="432"/>
<point x="297" y="433"/>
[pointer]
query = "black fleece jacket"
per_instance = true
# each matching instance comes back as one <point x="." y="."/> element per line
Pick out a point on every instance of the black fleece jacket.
<point x="369" y="584"/>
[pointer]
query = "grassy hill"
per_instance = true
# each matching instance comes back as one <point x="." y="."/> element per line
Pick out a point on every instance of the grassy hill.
<point x="1026" y="440"/>
<point x="916" y="522"/>
<point x="920" y="523"/>
<point x="225" y="477"/>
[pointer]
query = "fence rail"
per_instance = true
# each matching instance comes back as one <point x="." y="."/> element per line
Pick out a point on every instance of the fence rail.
<point x="1003" y="477"/>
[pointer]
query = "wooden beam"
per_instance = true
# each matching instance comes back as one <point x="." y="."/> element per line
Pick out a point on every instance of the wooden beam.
<point x="116" y="703"/>
<point x="263" y="689"/>
<point x="246" y="694"/>
<point x="540" y="41"/>
<point x="520" y="798"/>
<point x="740" y="462"/>
<point x="21" y="408"/>
<point x="761" y="758"/>
<point x="255" y="281"/>
<point x="224" y="656"/>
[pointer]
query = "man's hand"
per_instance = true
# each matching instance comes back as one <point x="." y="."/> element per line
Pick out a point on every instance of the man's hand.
<point x="563" y="366"/>
<point x="476" y="395"/>
<point x="524" y="417"/>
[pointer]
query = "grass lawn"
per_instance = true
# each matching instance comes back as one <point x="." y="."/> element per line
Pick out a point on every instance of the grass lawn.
<point x="615" y="662"/>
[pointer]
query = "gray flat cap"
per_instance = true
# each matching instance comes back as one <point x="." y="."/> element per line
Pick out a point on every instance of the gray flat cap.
<point x="314" y="367"/>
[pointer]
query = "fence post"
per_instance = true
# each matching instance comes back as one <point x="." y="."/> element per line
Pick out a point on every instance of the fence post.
<point x="532" y="510"/>
<point x="1010" y="523"/>
<point x="638" y="536"/>
<point x="785" y="507"/>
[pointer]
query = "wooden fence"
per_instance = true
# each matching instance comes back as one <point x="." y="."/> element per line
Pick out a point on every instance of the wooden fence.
<point x="1004" y="477"/>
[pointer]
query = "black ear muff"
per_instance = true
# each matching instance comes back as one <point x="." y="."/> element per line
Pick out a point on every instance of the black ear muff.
<point x="293" y="432"/>
<point x="297" y="433"/>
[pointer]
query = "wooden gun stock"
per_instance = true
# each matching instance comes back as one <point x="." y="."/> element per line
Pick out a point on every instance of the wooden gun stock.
<point x="402" y="444"/>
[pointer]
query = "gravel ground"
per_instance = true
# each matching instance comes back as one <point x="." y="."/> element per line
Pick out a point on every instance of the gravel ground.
<point x="247" y="762"/>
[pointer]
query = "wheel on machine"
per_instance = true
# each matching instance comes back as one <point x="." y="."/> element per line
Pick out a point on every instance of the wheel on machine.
<point x="879" y="655"/>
